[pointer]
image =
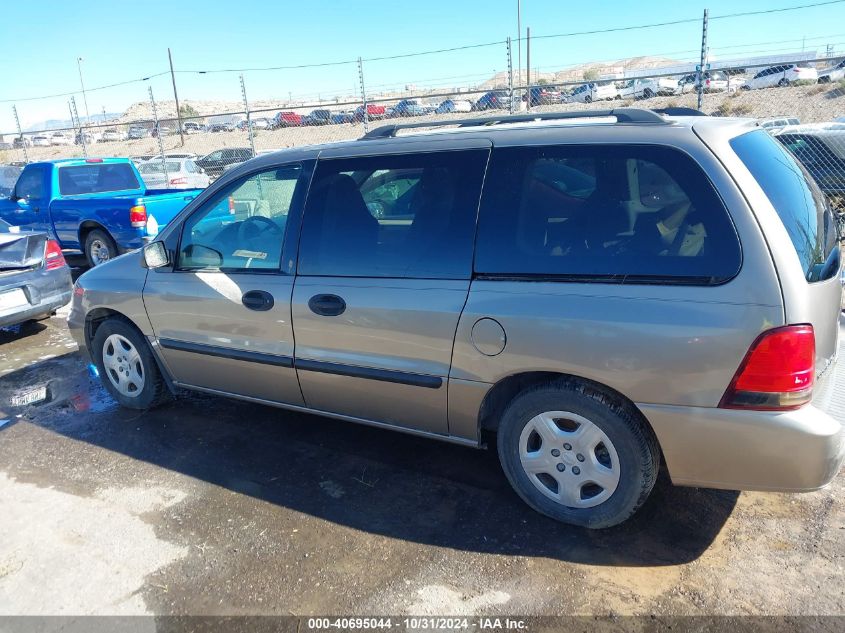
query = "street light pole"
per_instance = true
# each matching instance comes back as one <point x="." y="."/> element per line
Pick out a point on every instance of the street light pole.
<point x="84" y="97"/>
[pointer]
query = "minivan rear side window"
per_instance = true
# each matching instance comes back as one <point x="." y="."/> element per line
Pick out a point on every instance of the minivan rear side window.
<point x="399" y="216"/>
<point x="796" y="197"/>
<point x="614" y="213"/>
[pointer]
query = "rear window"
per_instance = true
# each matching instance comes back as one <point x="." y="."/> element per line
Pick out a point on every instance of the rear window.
<point x="799" y="202"/>
<point x="620" y="214"/>
<point x="96" y="178"/>
<point x="156" y="167"/>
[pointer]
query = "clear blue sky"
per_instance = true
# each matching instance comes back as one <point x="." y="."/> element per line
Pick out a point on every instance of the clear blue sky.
<point x="128" y="40"/>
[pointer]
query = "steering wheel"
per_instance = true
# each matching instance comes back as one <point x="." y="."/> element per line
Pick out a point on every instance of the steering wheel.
<point x="253" y="227"/>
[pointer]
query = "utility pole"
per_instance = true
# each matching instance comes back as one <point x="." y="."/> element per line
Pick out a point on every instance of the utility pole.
<point x="158" y="135"/>
<point x="176" y="97"/>
<point x="248" y="121"/>
<point x="81" y="131"/>
<point x="528" y="65"/>
<point x="702" y="68"/>
<point x="20" y="134"/>
<point x="81" y="83"/>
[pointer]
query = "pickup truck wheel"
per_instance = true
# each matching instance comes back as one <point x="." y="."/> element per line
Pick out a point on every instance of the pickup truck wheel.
<point x="127" y="367"/>
<point x="577" y="455"/>
<point x="99" y="247"/>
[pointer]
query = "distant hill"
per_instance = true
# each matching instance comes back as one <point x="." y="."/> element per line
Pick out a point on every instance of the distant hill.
<point x="54" y="124"/>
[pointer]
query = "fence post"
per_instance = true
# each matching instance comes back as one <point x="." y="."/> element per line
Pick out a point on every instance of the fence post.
<point x="528" y="66"/>
<point x="510" y="77"/>
<point x="158" y="135"/>
<point x="248" y="120"/>
<point x="20" y="134"/>
<point x="73" y="113"/>
<point x="701" y="67"/>
<point x="176" y="98"/>
<point x="365" y="118"/>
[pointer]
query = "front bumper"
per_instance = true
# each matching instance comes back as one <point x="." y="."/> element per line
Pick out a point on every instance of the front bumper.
<point x="790" y="451"/>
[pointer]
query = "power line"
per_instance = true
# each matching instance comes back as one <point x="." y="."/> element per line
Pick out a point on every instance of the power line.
<point x="244" y="70"/>
<point x="76" y="92"/>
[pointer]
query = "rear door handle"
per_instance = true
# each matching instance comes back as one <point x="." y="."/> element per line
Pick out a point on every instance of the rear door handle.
<point x="327" y="305"/>
<point x="257" y="300"/>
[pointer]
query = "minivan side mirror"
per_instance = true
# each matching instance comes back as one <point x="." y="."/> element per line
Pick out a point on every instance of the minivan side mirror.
<point x="155" y="255"/>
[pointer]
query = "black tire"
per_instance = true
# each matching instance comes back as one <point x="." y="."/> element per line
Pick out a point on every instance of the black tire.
<point x="154" y="391"/>
<point x="634" y="443"/>
<point x="588" y="99"/>
<point x="648" y="93"/>
<point x="783" y="83"/>
<point x="99" y="247"/>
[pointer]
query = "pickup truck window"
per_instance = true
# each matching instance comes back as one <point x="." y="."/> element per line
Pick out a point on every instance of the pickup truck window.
<point x="31" y="184"/>
<point x="96" y="178"/>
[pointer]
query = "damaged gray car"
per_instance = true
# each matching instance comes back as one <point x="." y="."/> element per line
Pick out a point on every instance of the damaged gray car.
<point x="34" y="277"/>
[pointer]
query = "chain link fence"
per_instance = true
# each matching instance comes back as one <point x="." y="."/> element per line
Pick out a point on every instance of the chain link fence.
<point x="225" y="117"/>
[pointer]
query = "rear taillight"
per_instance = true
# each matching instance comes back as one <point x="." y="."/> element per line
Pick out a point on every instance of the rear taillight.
<point x="138" y="216"/>
<point x="53" y="257"/>
<point x="178" y="181"/>
<point x="777" y="373"/>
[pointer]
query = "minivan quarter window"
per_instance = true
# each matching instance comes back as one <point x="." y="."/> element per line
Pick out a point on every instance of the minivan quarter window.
<point x="797" y="199"/>
<point x="243" y="227"/>
<point x="410" y="215"/>
<point x="621" y="213"/>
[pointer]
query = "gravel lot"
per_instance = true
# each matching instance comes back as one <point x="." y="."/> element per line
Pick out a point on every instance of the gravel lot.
<point x="211" y="506"/>
<point x="811" y="104"/>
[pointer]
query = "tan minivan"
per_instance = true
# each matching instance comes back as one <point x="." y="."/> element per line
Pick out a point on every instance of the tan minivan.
<point x="593" y="299"/>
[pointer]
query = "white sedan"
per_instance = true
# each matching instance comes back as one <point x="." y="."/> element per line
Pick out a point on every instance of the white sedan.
<point x="173" y="173"/>
<point x="452" y="105"/>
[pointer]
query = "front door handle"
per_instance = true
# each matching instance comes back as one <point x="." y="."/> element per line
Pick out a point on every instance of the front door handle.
<point x="327" y="305"/>
<point x="257" y="300"/>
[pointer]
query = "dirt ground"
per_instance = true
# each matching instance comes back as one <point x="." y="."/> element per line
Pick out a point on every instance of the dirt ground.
<point x="212" y="506"/>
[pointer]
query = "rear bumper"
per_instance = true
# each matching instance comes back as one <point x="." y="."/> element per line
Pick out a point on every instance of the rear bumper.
<point x="791" y="451"/>
<point x="46" y="291"/>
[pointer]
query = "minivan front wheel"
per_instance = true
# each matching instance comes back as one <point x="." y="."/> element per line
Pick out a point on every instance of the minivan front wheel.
<point x="126" y="365"/>
<point x="576" y="455"/>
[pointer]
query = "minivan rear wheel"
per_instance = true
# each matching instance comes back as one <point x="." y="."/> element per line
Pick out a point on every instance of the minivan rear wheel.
<point x="577" y="455"/>
<point x="126" y="365"/>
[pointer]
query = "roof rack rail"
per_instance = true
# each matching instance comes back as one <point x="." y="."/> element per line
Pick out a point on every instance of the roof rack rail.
<point x="680" y="111"/>
<point x="623" y="115"/>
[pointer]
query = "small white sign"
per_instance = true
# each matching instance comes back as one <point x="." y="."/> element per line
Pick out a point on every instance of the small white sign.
<point x="29" y="397"/>
<point x="13" y="299"/>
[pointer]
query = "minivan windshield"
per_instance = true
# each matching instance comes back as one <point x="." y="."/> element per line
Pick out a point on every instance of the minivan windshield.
<point x="796" y="197"/>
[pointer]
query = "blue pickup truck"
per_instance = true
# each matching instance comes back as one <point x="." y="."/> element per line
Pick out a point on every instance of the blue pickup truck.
<point x="99" y="206"/>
